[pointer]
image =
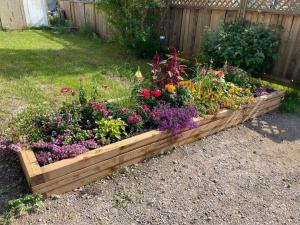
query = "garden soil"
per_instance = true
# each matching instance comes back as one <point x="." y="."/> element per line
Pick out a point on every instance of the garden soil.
<point x="249" y="174"/>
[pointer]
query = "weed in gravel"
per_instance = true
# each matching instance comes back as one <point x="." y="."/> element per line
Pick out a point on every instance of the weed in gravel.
<point x="29" y="203"/>
<point x="124" y="198"/>
<point x="126" y="171"/>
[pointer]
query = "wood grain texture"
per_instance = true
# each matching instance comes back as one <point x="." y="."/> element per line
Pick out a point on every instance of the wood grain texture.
<point x="68" y="174"/>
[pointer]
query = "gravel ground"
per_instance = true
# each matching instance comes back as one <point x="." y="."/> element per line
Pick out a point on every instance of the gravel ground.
<point x="249" y="174"/>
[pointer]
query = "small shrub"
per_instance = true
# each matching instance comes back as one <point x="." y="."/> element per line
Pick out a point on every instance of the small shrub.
<point x="248" y="45"/>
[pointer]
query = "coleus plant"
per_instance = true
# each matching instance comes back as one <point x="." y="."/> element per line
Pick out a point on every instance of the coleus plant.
<point x="169" y="71"/>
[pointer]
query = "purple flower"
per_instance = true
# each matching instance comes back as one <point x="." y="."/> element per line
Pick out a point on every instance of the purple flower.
<point x="89" y="144"/>
<point x="263" y="91"/>
<point x="175" y="119"/>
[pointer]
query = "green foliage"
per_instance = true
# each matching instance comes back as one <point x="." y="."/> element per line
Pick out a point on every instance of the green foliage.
<point x="124" y="198"/>
<point x="237" y="76"/>
<point x="250" y="46"/>
<point x="110" y="129"/>
<point x="55" y="21"/>
<point x="135" y="22"/>
<point x="31" y="123"/>
<point x="86" y="30"/>
<point x="27" y="204"/>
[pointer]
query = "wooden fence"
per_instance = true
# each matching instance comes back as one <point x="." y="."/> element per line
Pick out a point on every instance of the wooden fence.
<point x="184" y="23"/>
<point x="84" y="12"/>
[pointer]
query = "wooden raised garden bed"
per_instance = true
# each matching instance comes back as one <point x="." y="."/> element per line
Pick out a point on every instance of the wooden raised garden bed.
<point x="68" y="174"/>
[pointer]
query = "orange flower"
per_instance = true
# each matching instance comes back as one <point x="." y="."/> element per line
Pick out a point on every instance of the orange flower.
<point x="170" y="88"/>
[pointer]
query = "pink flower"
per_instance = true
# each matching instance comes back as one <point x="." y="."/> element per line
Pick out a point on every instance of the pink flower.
<point x="220" y="73"/>
<point x="146" y="108"/>
<point x="156" y="93"/>
<point x="130" y="119"/>
<point x="64" y="90"/>
<point x="202" y="72"/>
<point x="145" y="94"/>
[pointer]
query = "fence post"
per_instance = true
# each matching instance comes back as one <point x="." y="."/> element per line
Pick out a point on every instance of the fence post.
<point x="243" y="8"/>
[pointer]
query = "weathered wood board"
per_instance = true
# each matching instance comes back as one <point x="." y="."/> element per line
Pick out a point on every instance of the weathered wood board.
<point x="66" y="175"/>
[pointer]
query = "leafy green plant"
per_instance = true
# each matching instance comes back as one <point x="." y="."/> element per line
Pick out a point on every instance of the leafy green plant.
<point x="29" y="203"/>
<point x="124" y="198"/>
<point x="248" y="45"/>
<point x="31" y="123"/>
<point x="110" y="129"/>
<point x="237" y="76"/>
<point x="135" y="22"/>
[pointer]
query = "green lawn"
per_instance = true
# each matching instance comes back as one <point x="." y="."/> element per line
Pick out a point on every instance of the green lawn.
<point x="35" y="64"/>
<point x="291" y="103"/>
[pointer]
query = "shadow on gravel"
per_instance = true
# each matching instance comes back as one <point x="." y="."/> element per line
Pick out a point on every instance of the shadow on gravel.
<point x="277" y="126"/>
<point x="12" y="181"/>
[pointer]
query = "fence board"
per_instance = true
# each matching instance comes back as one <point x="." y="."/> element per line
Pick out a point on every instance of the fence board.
<point x="12" y="14"/>
<point x="90" y="14"/>
<point x="217" y="17"/>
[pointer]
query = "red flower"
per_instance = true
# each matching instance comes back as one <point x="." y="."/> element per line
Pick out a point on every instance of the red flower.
<point x="220" y="73"/>
<point x="64" y="90"/>
<point x="81" y="78"/>
<point x="156" y="93"/>
<point x="145" y="94"/>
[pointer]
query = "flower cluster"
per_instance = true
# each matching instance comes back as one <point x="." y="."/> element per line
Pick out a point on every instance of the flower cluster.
<point x="175" y="119"/>
<point x="6" y="144"/>
<point x="146" y="94"/>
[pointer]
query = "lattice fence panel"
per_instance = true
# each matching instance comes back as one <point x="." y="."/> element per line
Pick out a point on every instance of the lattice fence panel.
<point x="276" y="5"/>
<point x="292" y="6"/>
<point x="230" y="4"/>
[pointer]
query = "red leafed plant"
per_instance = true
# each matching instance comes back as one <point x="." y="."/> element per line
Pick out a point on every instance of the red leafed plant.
<point x="169" y="71"/>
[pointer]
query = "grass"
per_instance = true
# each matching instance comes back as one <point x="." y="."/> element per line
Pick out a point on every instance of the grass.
<point x="291" y="103"/>
<point x="35" y="64"/>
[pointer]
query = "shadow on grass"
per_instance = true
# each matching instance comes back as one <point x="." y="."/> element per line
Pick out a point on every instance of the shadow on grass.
<point x="277" y="126"/>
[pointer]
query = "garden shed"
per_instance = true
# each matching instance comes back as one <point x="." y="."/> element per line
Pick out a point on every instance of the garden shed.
<point x="19" y="14"/>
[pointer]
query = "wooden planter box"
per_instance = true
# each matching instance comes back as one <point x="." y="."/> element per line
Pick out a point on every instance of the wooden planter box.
<point x="68" y="174"/>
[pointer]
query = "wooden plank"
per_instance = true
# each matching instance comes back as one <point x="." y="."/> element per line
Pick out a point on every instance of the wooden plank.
<point x="217" y="18"/>
<point x="79" y="13"/>
<point x="90" y="14"/>
<point x="184" y="29"/>
<point x="203" y="23"/>
<point x="191" y="33"/>
<point x="279" y="66"/>
<point x="231" y="16"/>
<point x="12" y="14"/>
<point x="291" y="60"/>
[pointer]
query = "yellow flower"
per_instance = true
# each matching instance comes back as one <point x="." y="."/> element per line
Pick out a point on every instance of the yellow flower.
<point x="170" y="88"/>
<point x="138" y="73"/>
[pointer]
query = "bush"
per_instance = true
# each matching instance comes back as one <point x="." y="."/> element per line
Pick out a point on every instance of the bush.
<point x="135" y="22"/>
<point x="248" y="45"/>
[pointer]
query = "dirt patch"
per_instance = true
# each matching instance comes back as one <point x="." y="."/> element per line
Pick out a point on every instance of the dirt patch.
<point x="249" y="174"/>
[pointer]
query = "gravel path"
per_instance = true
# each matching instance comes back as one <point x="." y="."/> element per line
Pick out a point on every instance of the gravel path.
<point x="249" y="174"/>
